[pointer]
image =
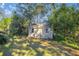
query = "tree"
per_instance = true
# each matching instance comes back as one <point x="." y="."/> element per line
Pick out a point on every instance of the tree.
<point x="40" y="8"/>
<point x="21" y="19"/>
<point x="63" y="20"/>
<point x="4" y="24"/>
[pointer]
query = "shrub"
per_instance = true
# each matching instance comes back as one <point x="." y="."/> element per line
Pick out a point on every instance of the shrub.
<point x="3" y="38"/>
<point x="59" y="37"/>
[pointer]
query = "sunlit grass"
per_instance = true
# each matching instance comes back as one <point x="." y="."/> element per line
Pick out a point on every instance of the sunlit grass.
<point x="36" y="40"/>
<point x="1" y="53"/>
<point x="24" y="45"/>
<point x="13" y="53"/>
<point x="31" y="47"/>
<point x="40" y="49"/>
<point x="8" y="45"/>
<point x="17" y="40"/>
<point x="47" y="53"/>
<point x="23" y="51"/>
<point x="71" y="44"/>
<point x="17" y="52"/>
<point x="45" y="43"/>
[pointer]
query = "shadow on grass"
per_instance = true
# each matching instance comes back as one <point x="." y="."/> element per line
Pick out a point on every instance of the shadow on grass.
<point x="19" y="46"/>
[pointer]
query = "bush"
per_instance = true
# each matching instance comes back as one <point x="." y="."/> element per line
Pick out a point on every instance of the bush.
<point x="3" y="38"/>
<point x="59" y="38"/>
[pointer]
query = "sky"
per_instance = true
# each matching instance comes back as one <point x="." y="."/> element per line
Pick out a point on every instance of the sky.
<point x="9" y="7"/>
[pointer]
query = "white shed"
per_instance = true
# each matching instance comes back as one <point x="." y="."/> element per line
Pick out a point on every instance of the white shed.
<point x="39" y="27"/>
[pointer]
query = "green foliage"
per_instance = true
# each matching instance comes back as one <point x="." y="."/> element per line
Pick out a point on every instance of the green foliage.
<point x="65" y="22"/>
<point x="3" y="38"/>
<point x="4" y="24"/>
<point x="19" y="26"/>
<point x="20" y="23"/>
<point x="40" y="8"/>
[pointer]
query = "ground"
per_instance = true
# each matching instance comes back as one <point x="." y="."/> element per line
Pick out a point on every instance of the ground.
<point x="22" y="46"/>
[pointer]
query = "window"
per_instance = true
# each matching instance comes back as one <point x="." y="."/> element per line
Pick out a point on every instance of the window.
<point x="32" y="30"/>
<point x="46" y="30"/>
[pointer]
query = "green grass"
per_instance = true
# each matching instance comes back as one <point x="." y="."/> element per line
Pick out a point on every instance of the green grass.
<point x="73" y="45"/>
<point x="67" y="41"/>
<point x="18" y="46"/>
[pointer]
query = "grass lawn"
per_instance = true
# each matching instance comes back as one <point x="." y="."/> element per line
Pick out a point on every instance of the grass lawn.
<point x="22" y="46"/>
